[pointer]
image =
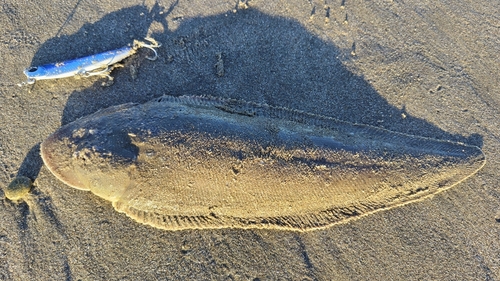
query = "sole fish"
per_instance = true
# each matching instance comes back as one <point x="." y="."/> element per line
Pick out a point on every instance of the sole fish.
<point x="199" y="162"/>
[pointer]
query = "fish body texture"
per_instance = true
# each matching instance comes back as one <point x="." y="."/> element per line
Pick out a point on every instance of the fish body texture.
<point x="196" y="162"/>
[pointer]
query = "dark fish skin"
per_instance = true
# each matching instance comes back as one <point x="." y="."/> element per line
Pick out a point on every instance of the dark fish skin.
<point x="199" y="162"/>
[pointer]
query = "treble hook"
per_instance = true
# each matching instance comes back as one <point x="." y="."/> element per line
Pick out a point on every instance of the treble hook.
<point x="154" y="44"/>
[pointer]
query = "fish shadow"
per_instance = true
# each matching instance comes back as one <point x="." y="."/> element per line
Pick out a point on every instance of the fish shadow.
<point x="247" y="55"/>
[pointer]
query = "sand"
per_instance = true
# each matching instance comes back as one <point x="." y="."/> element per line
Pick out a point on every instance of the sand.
<point x="423" y="68"/>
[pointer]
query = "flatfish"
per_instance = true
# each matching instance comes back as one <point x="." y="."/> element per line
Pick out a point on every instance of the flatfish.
<point x="199" y="162"/>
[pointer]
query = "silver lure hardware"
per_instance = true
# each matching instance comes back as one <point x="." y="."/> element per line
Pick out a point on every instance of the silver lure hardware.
<point x="100" y="64"/>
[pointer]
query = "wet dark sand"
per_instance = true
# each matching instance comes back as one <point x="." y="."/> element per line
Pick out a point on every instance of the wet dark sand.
<point x="427" y="69"/>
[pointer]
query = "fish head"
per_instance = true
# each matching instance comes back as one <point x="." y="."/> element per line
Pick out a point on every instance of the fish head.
<point x="100" y="161"/>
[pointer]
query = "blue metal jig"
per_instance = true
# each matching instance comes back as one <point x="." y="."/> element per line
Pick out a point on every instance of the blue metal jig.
<point x="100" y="64"/>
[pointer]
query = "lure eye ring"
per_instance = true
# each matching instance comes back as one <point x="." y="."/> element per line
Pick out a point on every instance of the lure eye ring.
<point x="30" y="81"/>
<point x="32" y="69"/>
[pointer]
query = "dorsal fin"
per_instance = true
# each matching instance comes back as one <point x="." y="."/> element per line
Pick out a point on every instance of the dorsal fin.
<point x="332" y="124"/>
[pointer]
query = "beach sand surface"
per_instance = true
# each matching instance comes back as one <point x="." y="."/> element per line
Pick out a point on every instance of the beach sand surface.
<point x="428" y="68"/>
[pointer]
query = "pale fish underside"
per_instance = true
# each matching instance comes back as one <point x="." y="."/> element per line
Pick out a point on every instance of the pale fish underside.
<point x="195" y="162"/>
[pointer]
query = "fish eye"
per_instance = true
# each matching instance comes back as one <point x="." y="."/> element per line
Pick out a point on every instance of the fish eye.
<point x="32" y="69"/>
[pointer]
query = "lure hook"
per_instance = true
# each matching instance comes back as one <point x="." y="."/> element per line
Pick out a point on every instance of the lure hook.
<point x="154" y="44"/>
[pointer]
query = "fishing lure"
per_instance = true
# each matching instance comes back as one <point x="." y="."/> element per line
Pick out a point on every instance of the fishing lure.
<point x="100" y="64"/>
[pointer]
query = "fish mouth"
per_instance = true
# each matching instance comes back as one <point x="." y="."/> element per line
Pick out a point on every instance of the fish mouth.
<point x="50" y="151"/>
